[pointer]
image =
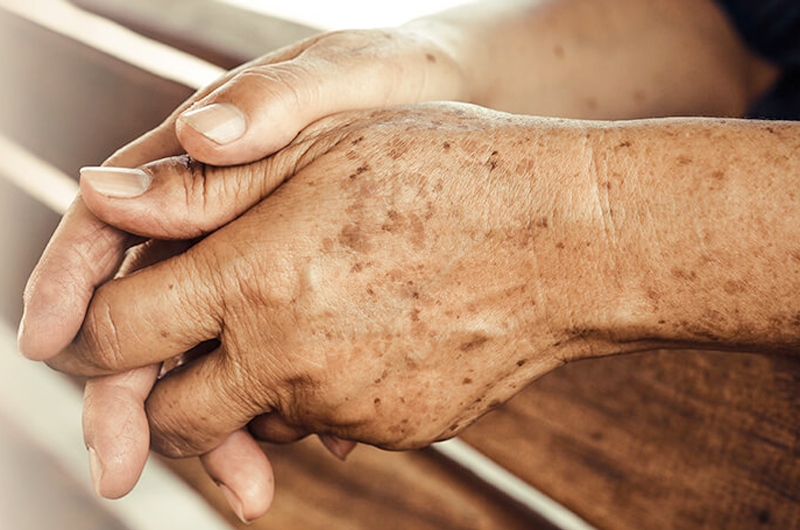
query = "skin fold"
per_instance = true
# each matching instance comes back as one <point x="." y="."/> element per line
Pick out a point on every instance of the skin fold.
<point x="602" y="59"/>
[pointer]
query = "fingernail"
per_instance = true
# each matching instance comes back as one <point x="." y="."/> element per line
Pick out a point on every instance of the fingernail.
<point x="122" y="183"/>
<point x="234" y="503"/>
<point x="221" y="123"/>
<point x="338" y="447"/>
<point x="96" y="470"/>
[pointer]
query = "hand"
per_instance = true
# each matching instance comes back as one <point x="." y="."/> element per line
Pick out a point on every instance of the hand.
<point x="420" y="266"/>
<point x="276" y="96"/>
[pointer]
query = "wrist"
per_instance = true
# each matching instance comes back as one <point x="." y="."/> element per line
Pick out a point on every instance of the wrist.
<point x="577" y="259"/>
<point x="452" y="45"/>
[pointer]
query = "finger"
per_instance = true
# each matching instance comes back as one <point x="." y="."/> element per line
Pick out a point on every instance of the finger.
<point x="180" y="198"/>
<point x="194" y="409"/>
<point x="339" y="447"/>
<point x="243" y="473"/>
<point x="150" y="316"/>
<point x="263" y="107"/>
<point x="274" y="429"/>
<point x="115" y="429"/>
<point x="83" y="253"/>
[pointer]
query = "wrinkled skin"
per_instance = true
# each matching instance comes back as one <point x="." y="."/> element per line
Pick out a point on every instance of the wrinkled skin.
<point x="389" y="294"/>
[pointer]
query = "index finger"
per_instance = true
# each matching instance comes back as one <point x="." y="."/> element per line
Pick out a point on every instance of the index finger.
<point x="83" y="253"/>
<point x="147" y="317"/>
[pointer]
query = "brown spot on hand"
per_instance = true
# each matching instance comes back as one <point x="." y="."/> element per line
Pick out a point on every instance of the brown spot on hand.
<point x="377" y="401"/>
<point x="467" y="381"/>
<point x="521" y="362"/>
<point x="357" y="140"/>
<point x="626" y="143"/>
<point x="734" y="286"/>
<point x="477" y="342"/>
<point x="431" y="58"/>
<point x="446" y="146"/>
<point x="359" y="171"/>
<point x="684" y="274"/>
<point x="353" y="236"/>
<point x="558" y="51"/>
<point x="684" y="160"/>
<point x="492" y="161"/>
<point x="542" y="222"/>
<point x="397" y="148"/>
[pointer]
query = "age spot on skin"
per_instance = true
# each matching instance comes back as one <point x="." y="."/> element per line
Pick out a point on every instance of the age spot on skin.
<point x="684" y="160"/>
<point x="430" y="57"/>
<point x="474" y="343"/>
<point x="521" y="362"/>
<point x="684" y="274"/>
<point x="558" y="51"/>
<point x="734" y="286"/>
<point x="359" y="171"/>
<point x="446" y="146"/>
<point x="467" y="381"/>
<point x="492" y="162"/>
<point x="353" y="236"/>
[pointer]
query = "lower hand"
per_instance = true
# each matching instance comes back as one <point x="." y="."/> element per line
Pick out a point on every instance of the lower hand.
<point x="420" y="266"/>
<point x="273" y="98"/>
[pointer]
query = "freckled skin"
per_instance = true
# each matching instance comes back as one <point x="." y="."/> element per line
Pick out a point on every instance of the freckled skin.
<point x="440" y="286"/>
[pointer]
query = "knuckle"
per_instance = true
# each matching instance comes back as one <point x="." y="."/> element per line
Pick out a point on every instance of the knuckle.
<point x="99" y="343"/>
<point x="175" y="435"/>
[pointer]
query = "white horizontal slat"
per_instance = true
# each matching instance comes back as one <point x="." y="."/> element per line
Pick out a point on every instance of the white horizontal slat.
<point x="501" y="479"/>
<point x="111" y="38"/>
<point x="35" y="177"/>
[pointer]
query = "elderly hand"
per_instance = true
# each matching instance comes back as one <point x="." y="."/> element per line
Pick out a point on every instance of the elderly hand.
<point x="419" y="267"/>
<point x="251" y="112"/>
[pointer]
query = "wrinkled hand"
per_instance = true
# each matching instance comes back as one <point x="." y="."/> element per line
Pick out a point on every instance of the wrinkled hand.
<point x="419" y="267"/>
<point x="266" y="102"/>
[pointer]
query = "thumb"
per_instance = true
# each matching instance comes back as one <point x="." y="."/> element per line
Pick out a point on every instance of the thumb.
<point x="180" y="198"/>
<point x="263" y="107"/>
